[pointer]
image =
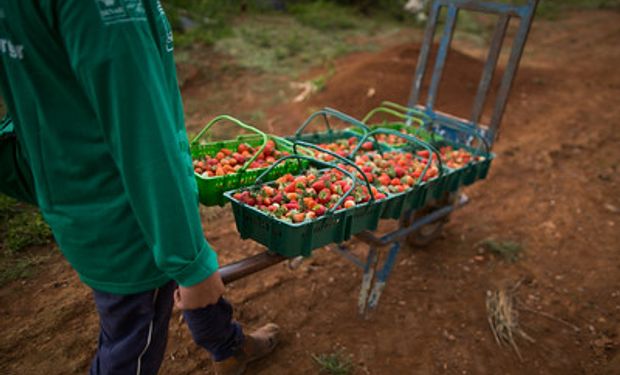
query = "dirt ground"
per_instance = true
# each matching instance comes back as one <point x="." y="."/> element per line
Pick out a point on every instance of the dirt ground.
<point x="554" y="188"/>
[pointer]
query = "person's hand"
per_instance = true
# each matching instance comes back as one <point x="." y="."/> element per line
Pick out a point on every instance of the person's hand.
<point x="203" y="294"/>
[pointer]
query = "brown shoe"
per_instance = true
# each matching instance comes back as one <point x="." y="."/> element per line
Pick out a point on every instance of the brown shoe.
<point x="257" y="345"/>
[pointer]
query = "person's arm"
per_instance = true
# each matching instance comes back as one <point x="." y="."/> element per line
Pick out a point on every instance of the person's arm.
<point x="118" y="62"/>
<point x="15" y="174"/>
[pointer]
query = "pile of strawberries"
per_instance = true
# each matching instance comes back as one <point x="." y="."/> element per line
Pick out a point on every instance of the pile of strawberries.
<point x="297" y="199"/>
<point x="227" y="161"/>
<point x="342" y="147"/>
<point x="458" y="158"/>
<point x="392" y="139"/>
<point x="308" y="196"/>
<point x="395" y="171"/>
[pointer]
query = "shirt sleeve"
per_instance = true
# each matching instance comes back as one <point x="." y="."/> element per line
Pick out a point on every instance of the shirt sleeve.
<point x="15" y="174"/>
<point x="120" y="54"/>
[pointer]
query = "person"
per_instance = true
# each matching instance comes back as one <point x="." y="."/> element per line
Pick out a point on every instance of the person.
<point x="95" y="137"/>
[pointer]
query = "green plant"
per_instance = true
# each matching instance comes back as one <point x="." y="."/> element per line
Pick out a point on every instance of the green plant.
<point x="26" y="229"/>
<point x="283" y="45"/>
<point x="508" y="250"/>
<point x="336" y="363"/>
<point x="324" y="15"/>
<point x="18" y="269"/>
<point x="200" y="21"/>
<point x="7" y="208"/>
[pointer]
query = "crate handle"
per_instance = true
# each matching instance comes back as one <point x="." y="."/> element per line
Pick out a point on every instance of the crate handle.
<point x="342" y="158"/>
<point x="394" y="113"/>
<point x="325" y="112"/>
<point x="408" y="111"/>
<point x="421" y="123"/>
<point x="429" y="148"/>
<point x="299" y="157"/>
<point x="240" y="124"/>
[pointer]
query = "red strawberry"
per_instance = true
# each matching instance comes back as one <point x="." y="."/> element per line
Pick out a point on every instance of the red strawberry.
<point x="290" y="188"/>
<point x="319" y="185"/>
<point x="325" y="195"/>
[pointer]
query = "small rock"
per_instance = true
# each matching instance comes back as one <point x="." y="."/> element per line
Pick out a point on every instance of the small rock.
<point x="330" y="280"/>
<point x="603" y="342"/>
<point x="550" y="225"/>
<point x="479" y="258"/>
<point x="449" y="336"/>
<point x="402" y="303"/>
<point x="466" y="269"/>
<point x="591" y="328"/>
<point x="611" y="208"/>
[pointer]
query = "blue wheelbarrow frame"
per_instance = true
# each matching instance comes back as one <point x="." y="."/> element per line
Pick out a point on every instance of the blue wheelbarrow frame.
<point x="375" y="274"/>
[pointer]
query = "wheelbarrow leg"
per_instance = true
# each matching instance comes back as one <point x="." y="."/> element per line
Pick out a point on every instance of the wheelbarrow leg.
<point x="382" y="277"/>
<point x="369" y="273"/>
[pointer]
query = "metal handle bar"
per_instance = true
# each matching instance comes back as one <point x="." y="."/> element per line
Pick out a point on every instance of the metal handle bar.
<point x="458" y="126"/>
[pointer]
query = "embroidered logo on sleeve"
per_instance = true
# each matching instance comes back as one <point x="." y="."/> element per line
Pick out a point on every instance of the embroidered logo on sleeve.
<point x="116" y="11"/>
<point x="14" y="51"/>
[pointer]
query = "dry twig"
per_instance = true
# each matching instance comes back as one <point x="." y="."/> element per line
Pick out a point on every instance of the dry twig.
<point x="503" y="317"/>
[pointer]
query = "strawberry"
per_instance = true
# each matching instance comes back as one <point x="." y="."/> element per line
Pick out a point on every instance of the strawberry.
<point x="269" y="191"/>
<point x="290" y="188"/>
<point x="349" y="203"/>
<point x="324" y="195"/>
<point x="319" y="210"/>
<point x="292" y="205"/>
<point x="424" y="153"/>
<point x="318" y="185"/>
<point x="299" y="217"/>
<point x="277" y="199"/>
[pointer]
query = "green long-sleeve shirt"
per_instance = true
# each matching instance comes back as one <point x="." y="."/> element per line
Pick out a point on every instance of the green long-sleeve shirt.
<point x="92" y="91"/>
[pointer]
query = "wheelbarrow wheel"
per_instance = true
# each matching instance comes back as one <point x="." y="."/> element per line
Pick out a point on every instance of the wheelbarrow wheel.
<point x="428" y="233"/>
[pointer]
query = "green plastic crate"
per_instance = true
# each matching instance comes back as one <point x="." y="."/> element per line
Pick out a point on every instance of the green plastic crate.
<point x="454" y="178"/>
<point x="415" y="197"/>
<point x="211" y="189"/>
<point x="400" y="203"/>
<point x="295" y="239"/>
<point x="364" y="218"/>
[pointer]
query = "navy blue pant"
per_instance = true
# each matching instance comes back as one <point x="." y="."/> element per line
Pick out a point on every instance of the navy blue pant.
<point x="134" y="331"/>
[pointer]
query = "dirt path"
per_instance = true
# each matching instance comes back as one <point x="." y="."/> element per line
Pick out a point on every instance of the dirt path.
<point x="553" y="188"/>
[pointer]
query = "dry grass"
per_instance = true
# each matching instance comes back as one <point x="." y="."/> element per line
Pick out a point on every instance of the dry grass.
<point x="503" y="318"/>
